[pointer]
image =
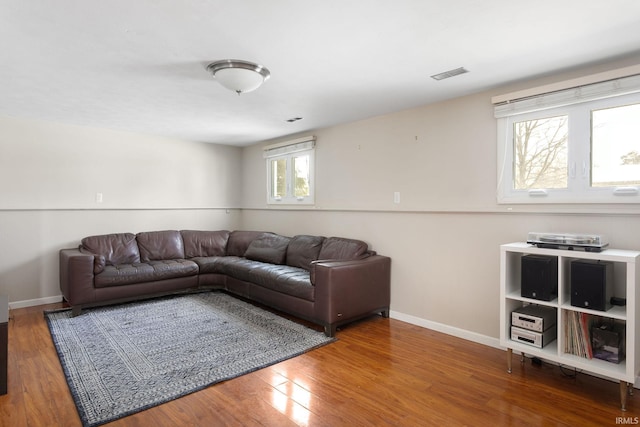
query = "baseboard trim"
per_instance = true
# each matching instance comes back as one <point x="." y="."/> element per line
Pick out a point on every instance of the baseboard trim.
<point x="34" y="302"/>
<point x="446" y="329"/>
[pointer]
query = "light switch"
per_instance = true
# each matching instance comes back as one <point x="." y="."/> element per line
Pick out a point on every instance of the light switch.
<point x="396" y="197"/>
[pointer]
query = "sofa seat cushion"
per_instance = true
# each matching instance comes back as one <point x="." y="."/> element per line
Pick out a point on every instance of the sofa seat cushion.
<point x="289" y="280"/>
<point x="140" y="272"/>
<point x="285" y="279"/>
<point x="211" y="264"/>
<point x="231" y="265"/>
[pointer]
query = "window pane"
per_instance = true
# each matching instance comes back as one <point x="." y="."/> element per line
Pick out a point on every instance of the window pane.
<point x="615" y="146"/>
<point x="540" y="153"/>
<point x="301" y="175"/>
<point x="278" y="177"/>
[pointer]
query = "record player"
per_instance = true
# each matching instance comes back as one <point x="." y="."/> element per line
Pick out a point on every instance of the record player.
<point x="586" y="242"/>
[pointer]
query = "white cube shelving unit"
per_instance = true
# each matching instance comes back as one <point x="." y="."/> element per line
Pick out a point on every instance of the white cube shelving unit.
<point x="626" y="281"/>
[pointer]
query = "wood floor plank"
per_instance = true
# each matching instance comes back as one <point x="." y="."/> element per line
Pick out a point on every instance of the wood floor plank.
<point x="378" y="372"/>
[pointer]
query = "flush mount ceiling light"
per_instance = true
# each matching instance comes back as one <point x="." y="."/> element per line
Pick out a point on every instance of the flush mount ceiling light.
<point x="239" y="76"/>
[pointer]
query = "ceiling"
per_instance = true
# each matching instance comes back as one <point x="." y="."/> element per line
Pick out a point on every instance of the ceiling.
<point x="140" y="65"/>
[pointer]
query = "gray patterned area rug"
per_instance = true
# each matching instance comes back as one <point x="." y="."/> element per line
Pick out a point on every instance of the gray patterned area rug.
<point x="123" y="359"/>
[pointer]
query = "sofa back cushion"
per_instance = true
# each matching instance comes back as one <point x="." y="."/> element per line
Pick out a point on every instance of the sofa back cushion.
<point x="160" y="245"/>
<point x="113" y="249"/>
<point x="239" y="241"/>
<point x="302" y="250"/>
<point x="204" y="243"/>
<point x="343" y="249"/>
<point x="269" y="247"/>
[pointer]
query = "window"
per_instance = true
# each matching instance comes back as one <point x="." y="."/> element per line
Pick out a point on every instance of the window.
<point x="290" y="172"/>
<point x="577" y="145"/>
<point x="615" y="146"/>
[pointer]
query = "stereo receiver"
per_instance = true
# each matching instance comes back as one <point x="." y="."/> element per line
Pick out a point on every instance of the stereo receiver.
<point x="536" y="318"/>
<point x="535" y="339"/>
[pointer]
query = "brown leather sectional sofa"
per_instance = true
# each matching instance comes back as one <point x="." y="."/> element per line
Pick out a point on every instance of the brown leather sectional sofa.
<point x="328" y="281"/>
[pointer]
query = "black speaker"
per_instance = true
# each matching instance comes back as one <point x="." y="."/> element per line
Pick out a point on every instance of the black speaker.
<point x="591" y="284"/>
<point x="539" y="277"/>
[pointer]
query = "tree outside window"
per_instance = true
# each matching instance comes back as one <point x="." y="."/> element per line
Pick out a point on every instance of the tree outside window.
<point x="540" y="153"/>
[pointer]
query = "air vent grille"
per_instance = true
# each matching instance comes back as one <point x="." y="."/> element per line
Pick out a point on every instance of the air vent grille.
<point x="450" y="73"/>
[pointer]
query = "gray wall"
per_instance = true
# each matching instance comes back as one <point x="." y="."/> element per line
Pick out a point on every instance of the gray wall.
<point x="444" y="236"/>
<point x="49" y="177"/>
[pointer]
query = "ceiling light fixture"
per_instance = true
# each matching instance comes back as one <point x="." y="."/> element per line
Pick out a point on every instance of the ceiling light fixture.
<point x="450" y="73"/>
<point x="239" y="76"/>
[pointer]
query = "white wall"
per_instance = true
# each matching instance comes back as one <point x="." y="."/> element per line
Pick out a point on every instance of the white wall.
<point x="50" y="174"/>
<point x="444" y="236"/>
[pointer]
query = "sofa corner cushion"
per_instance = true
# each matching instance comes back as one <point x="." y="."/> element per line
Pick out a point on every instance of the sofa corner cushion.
<point x="204" y="243"/>
<point x="112" y="249"/>
<point x="339" y="248"/>
<point x="160" y="245"/>
<point x="302" y="250"/>
<point x="270" y="248"/>
<point x="240" y="240"/>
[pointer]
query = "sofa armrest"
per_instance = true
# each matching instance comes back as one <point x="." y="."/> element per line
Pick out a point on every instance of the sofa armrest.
<point x="346" y="290"/>
<point x="76" y="276"/>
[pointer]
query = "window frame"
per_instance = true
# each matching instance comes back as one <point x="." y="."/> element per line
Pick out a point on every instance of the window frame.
<point x="579" y="149"/>
<point x="288" y="151"/>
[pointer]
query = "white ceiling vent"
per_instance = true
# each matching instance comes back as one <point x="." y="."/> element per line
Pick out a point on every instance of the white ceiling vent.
<point x="450" y="73"/>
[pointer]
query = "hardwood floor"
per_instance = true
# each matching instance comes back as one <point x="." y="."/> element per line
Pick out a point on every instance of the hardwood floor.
<point x="379" y="372"/>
